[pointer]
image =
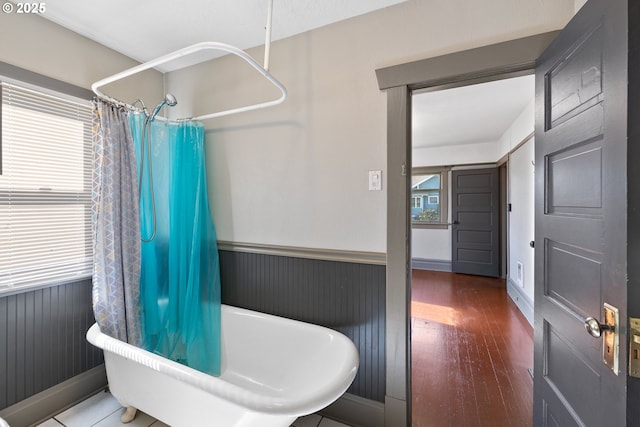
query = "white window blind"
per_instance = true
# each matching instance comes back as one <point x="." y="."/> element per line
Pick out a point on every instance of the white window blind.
<point x="45" y="188"/>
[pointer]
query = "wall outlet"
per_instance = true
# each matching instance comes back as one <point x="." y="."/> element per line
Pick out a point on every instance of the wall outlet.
<point x="520" y="274"/>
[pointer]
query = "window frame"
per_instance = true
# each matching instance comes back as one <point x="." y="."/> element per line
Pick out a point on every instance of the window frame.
<point x="443" y="196"/>
<point x="46" y="86"/>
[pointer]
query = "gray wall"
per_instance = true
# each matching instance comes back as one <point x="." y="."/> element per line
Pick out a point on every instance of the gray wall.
<point x="42" y="332"/>
<point x="42" y="339"/>
<point x="37" y="44"/>
<point x="312" y="153"/>
<point x="344" y="296"/>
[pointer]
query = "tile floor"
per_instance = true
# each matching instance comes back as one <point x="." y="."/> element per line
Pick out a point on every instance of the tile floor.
<point x="103" y="410"/>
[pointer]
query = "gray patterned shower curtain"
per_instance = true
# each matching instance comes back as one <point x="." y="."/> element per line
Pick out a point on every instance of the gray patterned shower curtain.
<point x="116" y="226"/>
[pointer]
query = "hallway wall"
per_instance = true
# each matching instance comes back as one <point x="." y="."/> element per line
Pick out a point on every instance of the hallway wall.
<point x="305" y="163"/>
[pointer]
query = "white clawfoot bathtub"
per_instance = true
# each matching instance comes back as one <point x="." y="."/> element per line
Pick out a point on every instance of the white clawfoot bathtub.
<point x="273" y="371"/>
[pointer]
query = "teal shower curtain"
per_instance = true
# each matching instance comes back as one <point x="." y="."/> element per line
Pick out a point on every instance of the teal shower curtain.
<point x="179" y="278"/>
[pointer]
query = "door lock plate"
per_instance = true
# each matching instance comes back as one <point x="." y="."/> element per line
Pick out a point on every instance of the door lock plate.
<point x="634" y="347"/>
<point x="611" y="338"/>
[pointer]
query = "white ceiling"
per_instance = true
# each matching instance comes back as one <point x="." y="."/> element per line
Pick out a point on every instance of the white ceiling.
<point x="146" y="29"/>
<point x="469" y="114"/>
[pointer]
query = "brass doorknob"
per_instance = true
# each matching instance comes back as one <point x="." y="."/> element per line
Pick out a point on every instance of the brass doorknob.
<point x="595" y="328"/>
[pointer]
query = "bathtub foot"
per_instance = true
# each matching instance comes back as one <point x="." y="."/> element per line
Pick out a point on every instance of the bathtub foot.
<point x="128" y="415"/>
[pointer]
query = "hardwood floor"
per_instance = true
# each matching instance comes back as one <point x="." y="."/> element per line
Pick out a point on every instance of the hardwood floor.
<point x="471" y="351"/>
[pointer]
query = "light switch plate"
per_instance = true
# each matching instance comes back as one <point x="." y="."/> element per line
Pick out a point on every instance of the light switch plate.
<point x="375" y="180"/>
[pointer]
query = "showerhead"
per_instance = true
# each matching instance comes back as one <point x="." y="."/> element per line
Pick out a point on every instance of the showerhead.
<point x="169" y="100"/>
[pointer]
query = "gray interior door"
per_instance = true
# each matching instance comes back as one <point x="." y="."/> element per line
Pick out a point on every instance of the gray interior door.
<point x="475" y="212"/>
<point x="581" y="219"/>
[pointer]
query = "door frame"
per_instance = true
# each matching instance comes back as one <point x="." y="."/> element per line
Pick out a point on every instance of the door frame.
<point x="498" y="61"/>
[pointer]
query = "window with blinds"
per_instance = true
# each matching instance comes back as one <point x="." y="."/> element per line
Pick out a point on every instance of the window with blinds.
<point x="45" y="188"/>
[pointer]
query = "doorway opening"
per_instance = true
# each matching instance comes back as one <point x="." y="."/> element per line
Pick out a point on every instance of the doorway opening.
<point x="471" y="335"/>
<point x="503" y="60"/>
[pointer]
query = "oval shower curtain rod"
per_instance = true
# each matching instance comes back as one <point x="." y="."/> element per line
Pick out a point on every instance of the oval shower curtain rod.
<point x="196" y="48"/>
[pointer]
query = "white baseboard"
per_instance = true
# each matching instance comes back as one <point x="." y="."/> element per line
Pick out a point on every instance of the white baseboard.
<point x="356" y="411"/>
<point x="521" y="299"/>
<point x="44" y="405"/>
<point x="431" y="264"/>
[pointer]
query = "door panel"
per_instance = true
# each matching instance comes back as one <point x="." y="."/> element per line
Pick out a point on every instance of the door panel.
<point x="580" y="217"/>
<point x="569" y="96"/>
<point x="475" y="211"/>
<point x="567" y="265"/>
<point x="581" y="164"/>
